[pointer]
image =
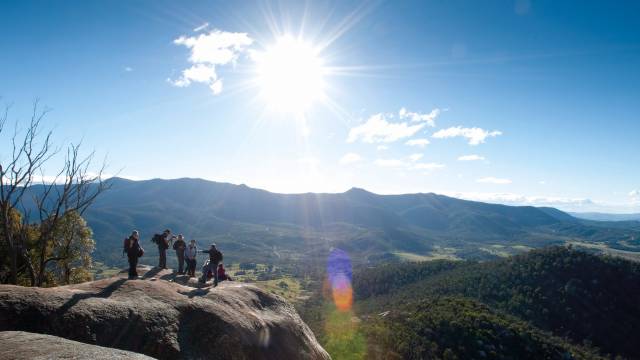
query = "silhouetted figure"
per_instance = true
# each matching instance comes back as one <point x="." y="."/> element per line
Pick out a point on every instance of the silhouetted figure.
<point x="163" y="242"/>
<point x="134" y="251"/>
<point x="179" y="246"/>
<point x="215" y="257"/>
<point x="191" y="253"/>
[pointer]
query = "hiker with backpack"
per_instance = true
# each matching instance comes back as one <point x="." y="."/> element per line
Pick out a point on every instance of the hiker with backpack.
<point x="190" y="253"/>
<point x="215" y="257"/>
<point x="134" y="251"/>
<point x="179" y="246"/>
<point x="163" y="240"/>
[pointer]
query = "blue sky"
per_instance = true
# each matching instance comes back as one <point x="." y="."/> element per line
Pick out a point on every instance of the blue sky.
<point x="541" y="97"/>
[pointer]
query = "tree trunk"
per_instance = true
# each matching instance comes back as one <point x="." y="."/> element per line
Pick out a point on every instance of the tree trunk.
<point x="30" y="269"/>
<point x="14" y="265"/>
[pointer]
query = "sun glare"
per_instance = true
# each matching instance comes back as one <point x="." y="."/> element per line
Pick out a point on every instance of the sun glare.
<point x="290" y="75"/>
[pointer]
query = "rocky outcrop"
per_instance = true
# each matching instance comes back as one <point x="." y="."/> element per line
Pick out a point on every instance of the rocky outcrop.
<point x="161" y="317"/>
<point x="19" y="345"/>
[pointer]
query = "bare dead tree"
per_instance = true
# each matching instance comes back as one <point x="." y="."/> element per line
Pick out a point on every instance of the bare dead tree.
<point x="74" y="188"/>
<point x="29" y="153"/>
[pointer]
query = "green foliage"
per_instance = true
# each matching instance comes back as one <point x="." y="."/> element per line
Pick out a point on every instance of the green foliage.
<point x="72" y="244"/>
<point x="459" y="328"/>
<point x="59" y="252"/>
<point x="585" y="298"/>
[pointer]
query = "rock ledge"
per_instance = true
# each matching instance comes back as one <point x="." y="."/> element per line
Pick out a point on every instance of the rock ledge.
<point x="163" y="318"/>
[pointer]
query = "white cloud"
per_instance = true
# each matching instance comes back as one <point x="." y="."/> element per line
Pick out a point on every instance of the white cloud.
<point x="377" y="129"/>
<point x="308" y="160"/>
<point x="417" y="142"/>
<point x="201" y="27"/>
<point x="350" y="158"/>
<point x="427" y="166"/>
<point x="472" y="157"/>
<point x="412" y="164"/>
<point x="474" y="135"/>
<point x="382" y="147"/>
<point x="517" y="199"/>
<point x="415" y="157"/>
<point x="128" y="69"/>
<point x="542" y="182"/>
<point x="208" y="51"/>
<point x="390" y="163"/>
<point x="494" y="180"/>
<point x="634" y="193"/>
<point x="418" y="117"/>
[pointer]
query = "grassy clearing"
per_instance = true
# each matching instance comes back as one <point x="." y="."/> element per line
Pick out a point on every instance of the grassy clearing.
<point x="439" y="253"/>
<point x="497" y="250"/>
<point x="522" y="247"/>
<point x="287" y="287"/>
<point x="269" y="278"/>
<point x="628" y="255"/>
<point x="102" y="271"/>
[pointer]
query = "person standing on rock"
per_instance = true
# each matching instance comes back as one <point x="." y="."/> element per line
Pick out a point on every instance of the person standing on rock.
<point x="179" y="246"/>
<point x="191" y="253"/>
<point x="215" y="257"/>
<point x="134" y="251"/>
<point x="163" y="242"/>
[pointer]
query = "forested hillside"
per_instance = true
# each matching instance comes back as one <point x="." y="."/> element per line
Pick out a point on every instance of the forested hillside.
<point x="553" y="303"/>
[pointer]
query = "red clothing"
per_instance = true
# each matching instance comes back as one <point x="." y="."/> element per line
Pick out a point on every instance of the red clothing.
<point x="221" y="274"/>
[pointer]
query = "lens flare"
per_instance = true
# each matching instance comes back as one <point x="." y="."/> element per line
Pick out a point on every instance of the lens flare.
<point x="343" y="339"/>
<point x="339" y="276"/>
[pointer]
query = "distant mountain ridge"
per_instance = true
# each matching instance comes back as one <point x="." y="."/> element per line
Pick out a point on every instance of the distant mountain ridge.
<point x="257" y="224"/>
<point x="596" y="216"/>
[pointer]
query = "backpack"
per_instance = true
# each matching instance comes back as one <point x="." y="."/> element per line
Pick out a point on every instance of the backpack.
<point x="140" y="251"/>
<point x="217" y="256"/>
<point x="125" y="246"/>
<point x="156" y="239"/>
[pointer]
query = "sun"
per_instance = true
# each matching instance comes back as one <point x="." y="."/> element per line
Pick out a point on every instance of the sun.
<point x="290" y="75"/>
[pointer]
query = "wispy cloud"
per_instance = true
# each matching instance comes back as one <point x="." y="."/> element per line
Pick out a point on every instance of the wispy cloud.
<point x="208" y="51"/>
<point x="390" y="163"/>
<point x="410" y="164"/>
<point x="382" y="147"/>
<point x="635" y="196"/>
<point x="128" y="69"/>
<point x="415" y="157"/>
<point x="472" y="157"/>
<point x="350" y="158"/>
<point x="428" y="118"/>
<point x="494" y="180"/>
<point x="475" y="135"/>
<point x="201" y="27"/>
<point x="378" y="129"/>
<point x="417" y="142"/>
<point x="427" y="166"/>
<point x="518" y="199"/>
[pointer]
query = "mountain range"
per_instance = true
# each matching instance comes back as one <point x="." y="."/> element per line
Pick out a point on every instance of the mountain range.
<point x="256" y="225"/>
<point x="606" y="216"/>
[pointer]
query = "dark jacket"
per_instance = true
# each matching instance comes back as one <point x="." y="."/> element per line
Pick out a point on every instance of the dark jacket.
<point x="164" y="242"/>
<point x="215" y="256"/>
<point x="133" y="248"/>
<point x="179" y="245"/>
